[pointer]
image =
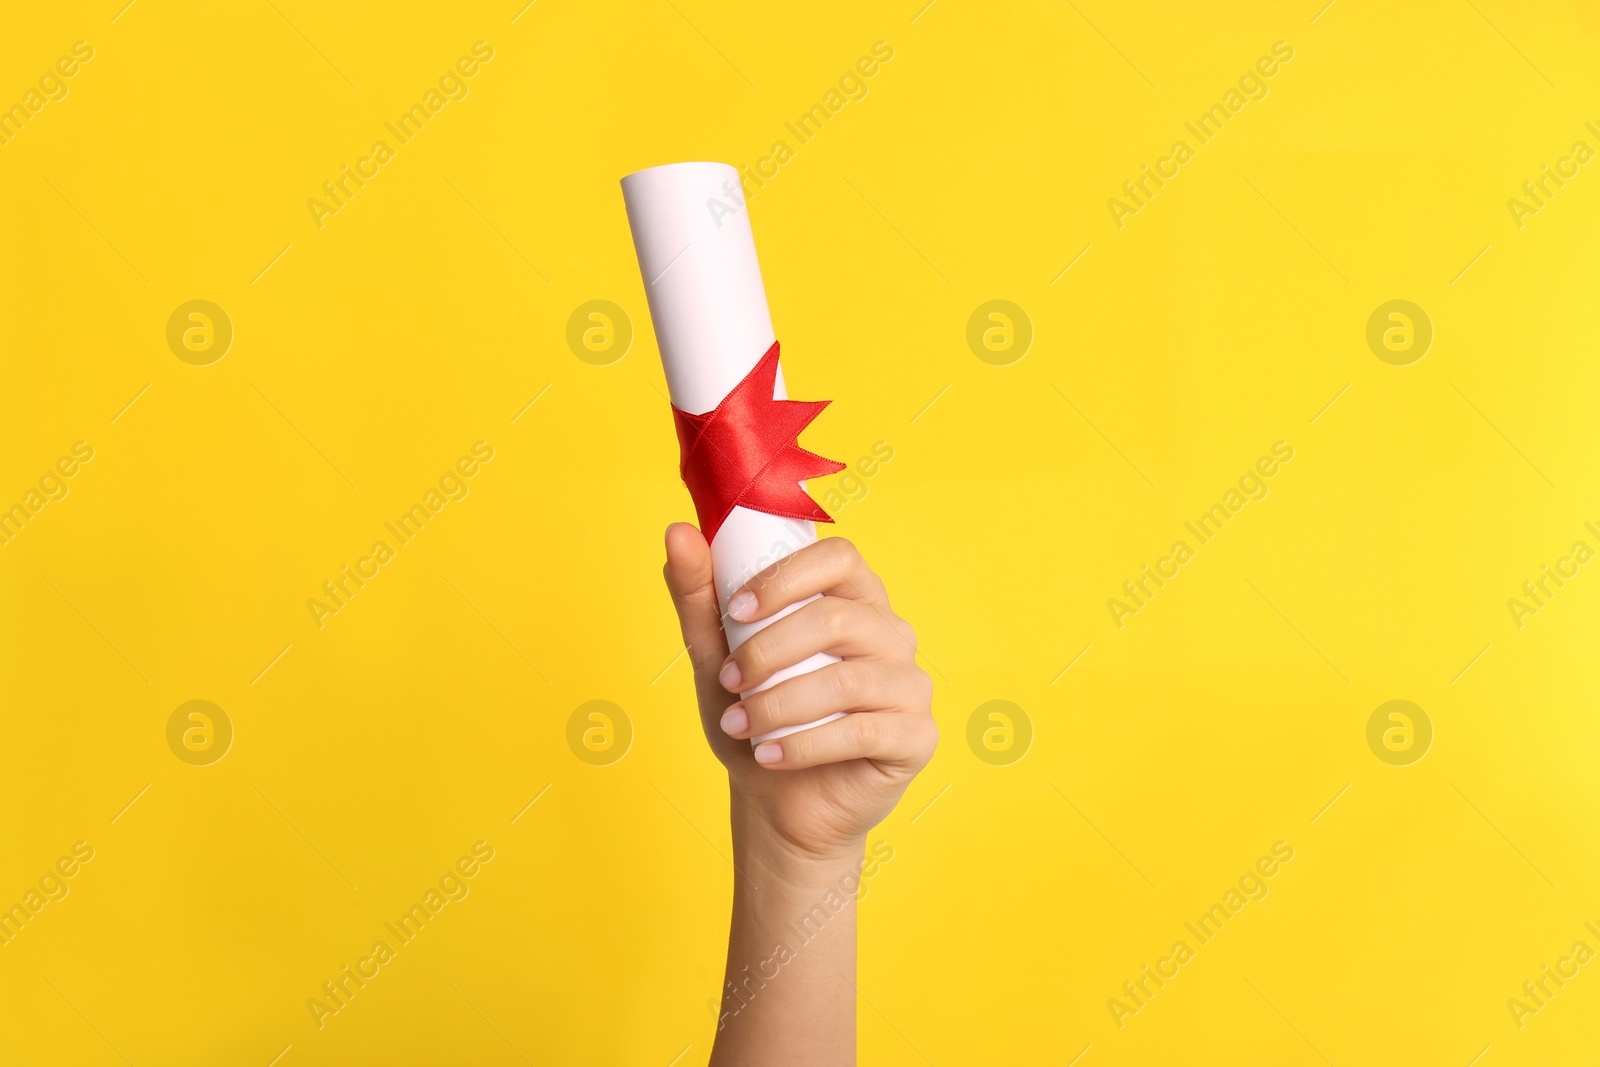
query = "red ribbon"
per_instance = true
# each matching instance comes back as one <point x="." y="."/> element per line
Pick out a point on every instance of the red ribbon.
<point x="746" y="452"/>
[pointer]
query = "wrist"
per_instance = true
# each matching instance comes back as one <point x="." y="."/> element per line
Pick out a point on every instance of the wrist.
<point x="769" y="857"/>
<point x="779" y="869"/>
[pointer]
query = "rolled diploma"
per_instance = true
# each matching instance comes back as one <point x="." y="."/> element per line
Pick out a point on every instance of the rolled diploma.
<point x="712" y="325"/>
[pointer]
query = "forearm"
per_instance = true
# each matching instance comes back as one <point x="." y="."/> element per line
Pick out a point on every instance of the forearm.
<point x="789" y="987"/>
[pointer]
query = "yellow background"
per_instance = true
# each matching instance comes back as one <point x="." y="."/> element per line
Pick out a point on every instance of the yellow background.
<point x="425" y="716"/>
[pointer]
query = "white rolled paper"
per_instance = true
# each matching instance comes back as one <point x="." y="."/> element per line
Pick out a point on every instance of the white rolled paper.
<point x="691" y="229"/>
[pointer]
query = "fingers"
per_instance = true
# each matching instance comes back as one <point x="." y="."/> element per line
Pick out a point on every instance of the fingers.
<point x="688" y="574"/>
<point x="852" y="685"/>
<point x="896" y="739"/>
<point x="846" y="628"/>
<point x="831" y="566"/>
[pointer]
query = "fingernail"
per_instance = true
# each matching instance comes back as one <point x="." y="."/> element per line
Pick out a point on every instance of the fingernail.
<point x="770" y="752"/>
<point x="735" y="721"/>
<point x="743" y="606"/>
<point x="730" y="675"/>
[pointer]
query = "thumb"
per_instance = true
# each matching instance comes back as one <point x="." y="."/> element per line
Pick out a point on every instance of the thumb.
<point x="688" y="574"/>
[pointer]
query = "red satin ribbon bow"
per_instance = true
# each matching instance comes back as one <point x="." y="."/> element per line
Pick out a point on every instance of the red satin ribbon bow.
<point x="746" y="452"/>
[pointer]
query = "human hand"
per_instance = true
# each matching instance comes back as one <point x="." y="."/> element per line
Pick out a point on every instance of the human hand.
<point x="816" y="792"/>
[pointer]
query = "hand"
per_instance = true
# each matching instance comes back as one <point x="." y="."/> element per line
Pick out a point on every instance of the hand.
<point x="819" y="791"/>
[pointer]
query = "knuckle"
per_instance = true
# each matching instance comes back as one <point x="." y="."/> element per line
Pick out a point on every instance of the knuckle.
<point x="909" y="632"/>
<point x="848" y="682"/>
<point x="762" y="708"/>
<point x="833" y="616"/>
<point x="871" y="730"/>
<point x="752" y="657"/>
<point x="798" y="748"/>
<point x="844" y="550"/>
<point x="768" y="582"/>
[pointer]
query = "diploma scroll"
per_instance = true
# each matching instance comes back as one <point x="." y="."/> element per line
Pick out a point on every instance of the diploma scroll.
<point x="691" y="230"/>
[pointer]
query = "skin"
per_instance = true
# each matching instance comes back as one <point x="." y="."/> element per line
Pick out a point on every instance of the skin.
<point x="801" y="806"/>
